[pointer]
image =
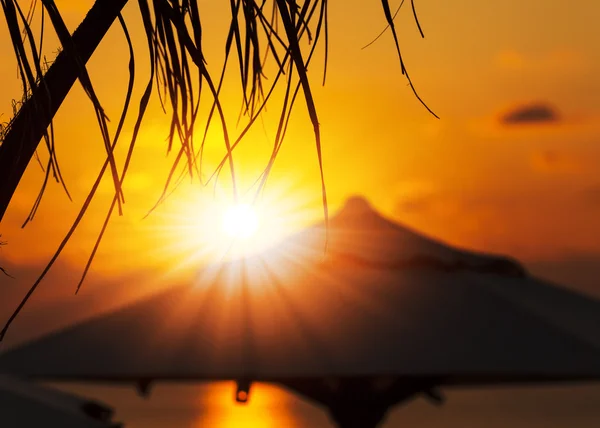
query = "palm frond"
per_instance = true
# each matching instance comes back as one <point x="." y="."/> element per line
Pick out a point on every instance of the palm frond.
<point x="264" y="37"/>
<point x="2" y="270"/>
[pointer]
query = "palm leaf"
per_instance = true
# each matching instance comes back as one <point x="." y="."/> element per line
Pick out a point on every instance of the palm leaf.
<point x="280" y="39"/>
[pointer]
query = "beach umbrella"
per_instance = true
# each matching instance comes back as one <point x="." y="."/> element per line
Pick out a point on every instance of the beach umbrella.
<point x="24" y="404"/>
<point x="384" y="314"/>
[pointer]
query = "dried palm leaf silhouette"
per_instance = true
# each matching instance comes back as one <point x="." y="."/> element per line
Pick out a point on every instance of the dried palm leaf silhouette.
<point x="283" y="33"/>
<point x="2" y="270"/>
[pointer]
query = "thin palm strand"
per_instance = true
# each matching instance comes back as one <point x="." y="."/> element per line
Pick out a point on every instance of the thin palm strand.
<point x="283" y="36"/>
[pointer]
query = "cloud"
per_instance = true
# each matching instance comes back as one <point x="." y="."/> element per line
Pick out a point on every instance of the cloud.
<point x="557" y="61"/>
<point x="556" y="162"/>
<point x="420" y="197"/>
<point x="535" y="120"/>
<point x="534" y="113"/>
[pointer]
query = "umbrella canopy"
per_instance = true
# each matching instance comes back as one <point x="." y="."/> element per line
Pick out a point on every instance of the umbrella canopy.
<point x="24" y="404"/>
<point x="384" y="303"/>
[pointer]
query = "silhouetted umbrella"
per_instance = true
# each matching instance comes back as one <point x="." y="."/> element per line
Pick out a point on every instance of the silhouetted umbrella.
<point x="25" y="404"/>
<point x="386" y="315"/>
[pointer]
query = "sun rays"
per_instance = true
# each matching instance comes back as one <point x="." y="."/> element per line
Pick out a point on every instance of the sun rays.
<point x="199" y="226"/>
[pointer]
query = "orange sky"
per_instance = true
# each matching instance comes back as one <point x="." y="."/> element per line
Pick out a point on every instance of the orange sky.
<point x="480" y="177"/>
<point x="472" y="178"/>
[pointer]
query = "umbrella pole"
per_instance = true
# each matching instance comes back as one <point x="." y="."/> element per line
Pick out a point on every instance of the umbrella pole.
<point x="358" y="417"/>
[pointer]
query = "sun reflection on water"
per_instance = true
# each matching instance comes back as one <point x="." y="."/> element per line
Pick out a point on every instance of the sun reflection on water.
<point x="267" y="407"/>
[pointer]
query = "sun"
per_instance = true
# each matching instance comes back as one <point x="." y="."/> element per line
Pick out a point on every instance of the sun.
<point x="201" y="227"/>
<point x="240" y="221"/>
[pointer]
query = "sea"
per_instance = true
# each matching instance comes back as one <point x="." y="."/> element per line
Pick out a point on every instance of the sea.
<point x="213" y="405"/>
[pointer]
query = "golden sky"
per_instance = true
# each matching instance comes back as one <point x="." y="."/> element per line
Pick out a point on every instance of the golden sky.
<point x="510" y="167"/>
